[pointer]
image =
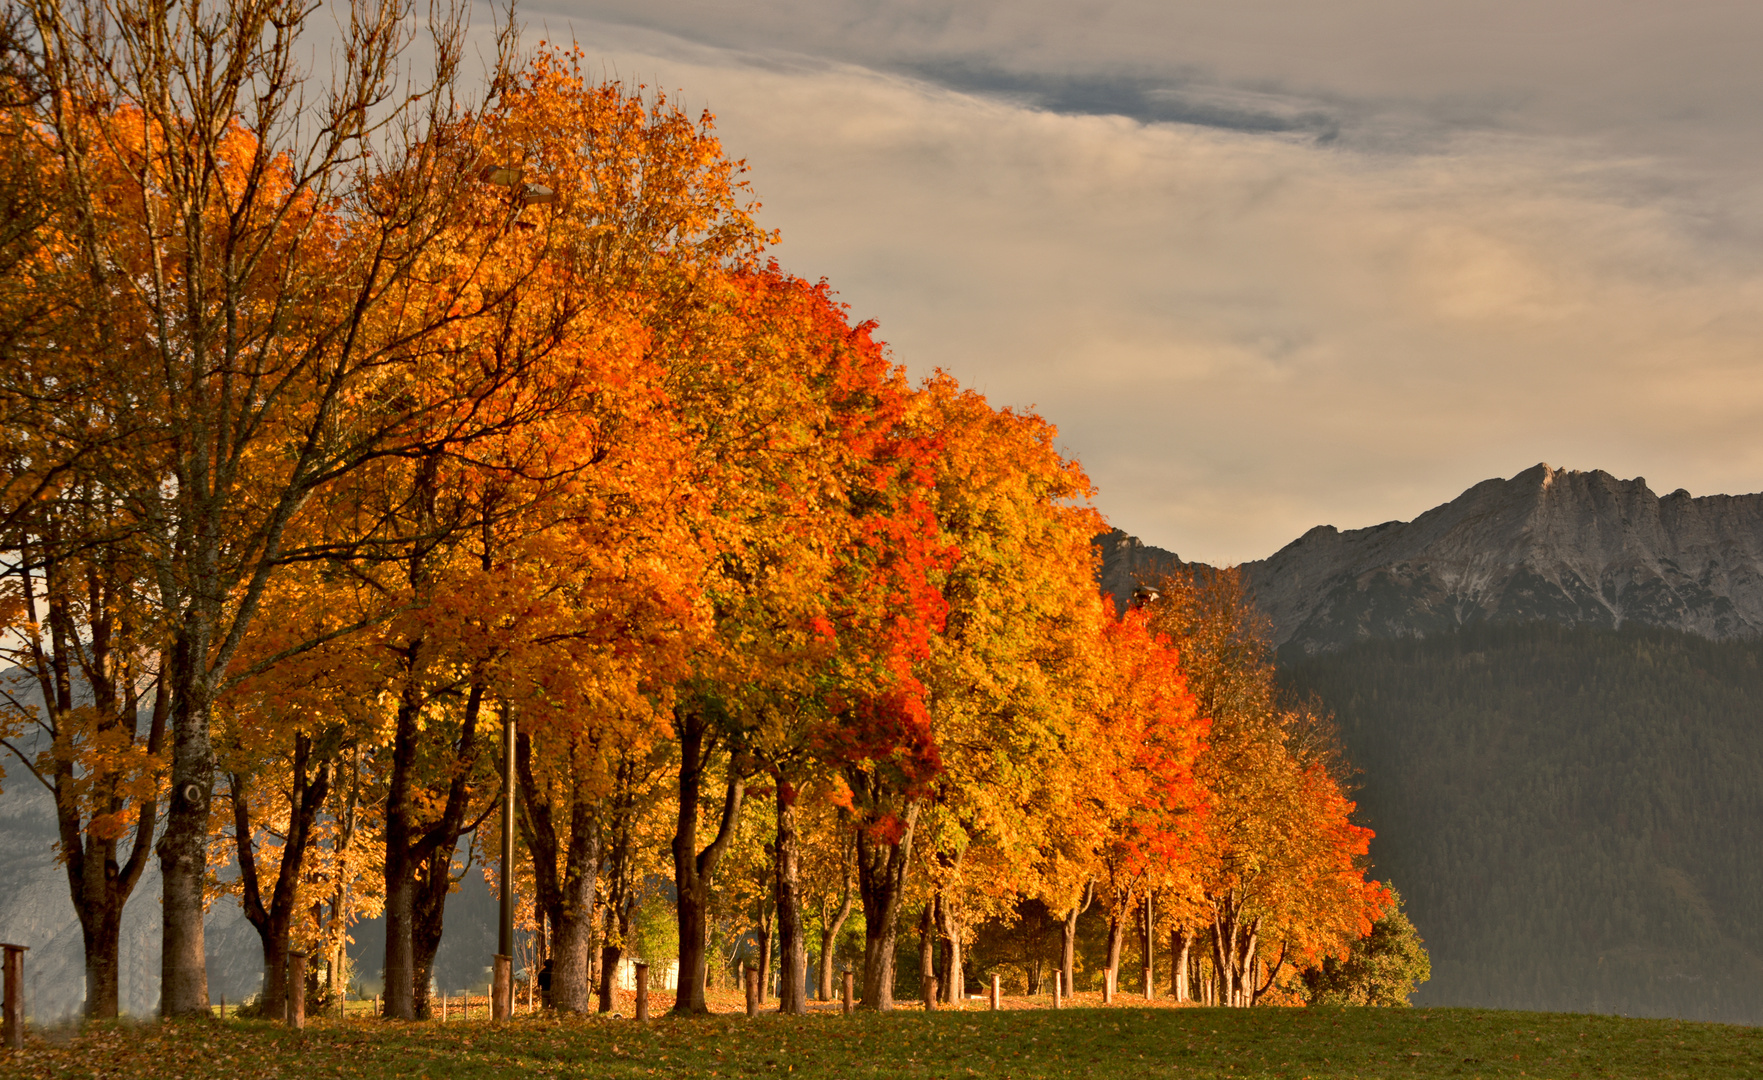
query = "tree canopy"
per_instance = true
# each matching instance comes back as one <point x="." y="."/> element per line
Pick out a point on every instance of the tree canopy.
<point x="334" y="452"/>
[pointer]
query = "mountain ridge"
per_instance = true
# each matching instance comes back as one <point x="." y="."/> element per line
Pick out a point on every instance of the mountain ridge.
<point x="1558" y="545"/>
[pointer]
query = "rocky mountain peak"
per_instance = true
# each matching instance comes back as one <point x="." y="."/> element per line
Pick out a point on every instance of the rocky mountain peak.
<point x="1554" y="544"/>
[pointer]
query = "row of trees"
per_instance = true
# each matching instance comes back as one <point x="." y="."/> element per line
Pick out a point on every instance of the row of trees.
<point x="343" y="435"/>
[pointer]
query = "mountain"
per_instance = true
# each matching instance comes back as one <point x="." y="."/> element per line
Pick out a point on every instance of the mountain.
<point x="1126" y="561"/>
<point x="1552" y="688"/>
<point x="1570" y="548"/>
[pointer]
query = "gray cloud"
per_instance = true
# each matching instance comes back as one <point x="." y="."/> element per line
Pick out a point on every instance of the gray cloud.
<point x="1681" y="74"/>
<point x="1144" y="99"/>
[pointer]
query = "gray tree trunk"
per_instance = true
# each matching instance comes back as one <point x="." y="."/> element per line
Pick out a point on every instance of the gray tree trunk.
<point x="792" y="990"/>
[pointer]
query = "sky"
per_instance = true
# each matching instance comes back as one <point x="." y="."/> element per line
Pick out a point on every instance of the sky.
<point x="1268" y="264"/>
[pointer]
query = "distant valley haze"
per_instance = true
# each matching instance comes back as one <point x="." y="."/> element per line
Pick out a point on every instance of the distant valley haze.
<point x="1269" y="265"/>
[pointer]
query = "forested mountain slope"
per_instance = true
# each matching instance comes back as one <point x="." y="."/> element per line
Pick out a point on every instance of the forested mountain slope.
<point x="1574" y="815"/>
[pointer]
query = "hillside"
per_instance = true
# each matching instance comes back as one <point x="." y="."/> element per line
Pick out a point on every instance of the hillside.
<point x="1573" y="815"/>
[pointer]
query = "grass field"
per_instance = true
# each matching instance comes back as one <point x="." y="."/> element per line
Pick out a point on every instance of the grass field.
<point x="1018" y="1044"/>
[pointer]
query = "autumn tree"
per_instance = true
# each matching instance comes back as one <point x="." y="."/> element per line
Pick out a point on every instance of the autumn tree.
<point x="1281" y="865"/>
<point x="674" y="407"/>
<point x="313" y="277"/>
<point x="85" y="679"/>
<point x="1145" y="800"/>
<point x="991" y="566"/>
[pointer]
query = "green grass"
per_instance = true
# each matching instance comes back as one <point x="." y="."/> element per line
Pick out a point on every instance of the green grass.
<point x="1019" y="1045"/>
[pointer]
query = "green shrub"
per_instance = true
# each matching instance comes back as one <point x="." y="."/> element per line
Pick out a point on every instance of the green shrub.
<point x="1383" y="969"/>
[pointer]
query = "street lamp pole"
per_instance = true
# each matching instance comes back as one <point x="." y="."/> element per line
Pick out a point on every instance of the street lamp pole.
<point x="503" y="980"/>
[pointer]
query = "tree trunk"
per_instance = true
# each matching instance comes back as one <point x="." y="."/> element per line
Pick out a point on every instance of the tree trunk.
<point x="1248" y="962"/>
<point x="1181" y="942"/>
<point x="1262" y="984"/>
<point x="183" y="848"/>
<point x="1068" y="936"/>
<point x="1116" y="938"/>
<point x="101" y="933"/>
<point x="574" y="916"/>
<point x="610" y="955"/>
<point x="762" y="938"/>
<point x="829" y="938"/>
<point x="574" y="937"/>
<point x="927" y="943"/>
<point x="1233" y="952"/>
<point x="401" y="857"/>
<point x="1223" y="956"/>
<point x="615" y="926"/>
<point x="421" y="856"/>
<point x="399" y="1002"/>
<point x="952" y="980"/>
<point x="881" y="881"/>
<point x="275" y="921"/>
<point x="792" y="995"/>
<point x="422" y="983"/>
<point x="433" y="882"/>
<point x="692" y="869"/>
<point x="566" y="873"/>
<point x="616" y="881"/>
<point x="99" y="885"/>
<point x="338" y="928"/>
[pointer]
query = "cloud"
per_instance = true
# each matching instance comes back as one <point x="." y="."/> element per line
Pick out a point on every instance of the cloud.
<point x="1243" y="327"/>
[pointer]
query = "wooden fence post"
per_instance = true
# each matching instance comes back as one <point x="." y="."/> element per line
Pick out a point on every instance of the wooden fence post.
<point x="750" y="976"/>
<point x="996" y="1005"/>
<point x="14" y="1004"/>
<point x="1058" y="989"/>
<point x="642" y="971"/>
<point x="297" y="989"/>
<point x="847" y="990"/>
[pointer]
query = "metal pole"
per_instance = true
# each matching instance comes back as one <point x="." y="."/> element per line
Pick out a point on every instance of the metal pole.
<point x="1150" y="930"/>
<point x="503" y="1007"/>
